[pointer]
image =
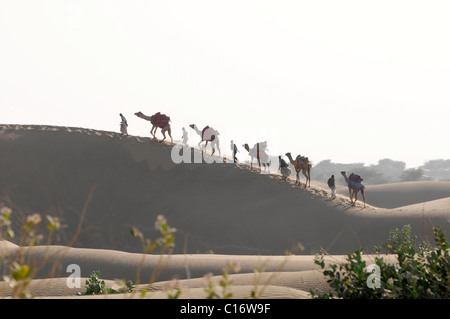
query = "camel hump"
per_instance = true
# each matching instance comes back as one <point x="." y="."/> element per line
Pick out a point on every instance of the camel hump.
<point x="302" y="159"/>
<point x="208" y="133"/>
<point x="159" y="119"/>
<point x="355" y="178"/>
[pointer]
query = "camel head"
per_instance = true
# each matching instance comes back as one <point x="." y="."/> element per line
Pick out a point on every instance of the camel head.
<point x="291" y="160"/>
<point x="139" y="114"/>
<point x="192" y="126"/>
<point x="343" y="173"/>
<point x="246" y="147"/>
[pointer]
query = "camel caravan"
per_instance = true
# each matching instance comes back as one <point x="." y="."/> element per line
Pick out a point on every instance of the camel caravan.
<point x="258" y="151"/>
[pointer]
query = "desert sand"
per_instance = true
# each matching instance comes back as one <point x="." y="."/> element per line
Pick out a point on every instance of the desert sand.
<point x="103" y="184"/>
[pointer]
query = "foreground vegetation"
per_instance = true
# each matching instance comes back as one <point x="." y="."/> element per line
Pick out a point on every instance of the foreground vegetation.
<point x="419" y="273"/>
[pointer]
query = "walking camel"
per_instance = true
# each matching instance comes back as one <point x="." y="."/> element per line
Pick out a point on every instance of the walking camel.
<point x="157" y="122"/>
<point x="208" y="134"/>
<point x="301" y="165"/>
<point x="259" y="152"/>
<point x="354" y="188"/>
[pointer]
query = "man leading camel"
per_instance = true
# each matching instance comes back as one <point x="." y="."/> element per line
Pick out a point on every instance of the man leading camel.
<point x="353" y="188"/>
<point x="284" y="168"/>
<point x="301" y="164"/>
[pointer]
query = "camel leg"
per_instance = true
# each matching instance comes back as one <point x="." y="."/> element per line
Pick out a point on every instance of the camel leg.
<point x="309" y="176"/>
<point x="355" y="192"/>
<point x="170" y="134"/>
<point x="213" y="146"/>
<point x="216" y="144"/>
<point x="350" y="193"/>
<point x="153" y="132"/>
<point x="306" y="176"/>
<point x="363" y="191"/>
<point x="164" y="134"/>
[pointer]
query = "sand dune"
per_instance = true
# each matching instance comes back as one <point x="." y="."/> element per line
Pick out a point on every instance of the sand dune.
<point x="407" y="193"/>
<point x="104" y="184"/>
<point x="438" y="204"/>
<point x="282" y="276"/>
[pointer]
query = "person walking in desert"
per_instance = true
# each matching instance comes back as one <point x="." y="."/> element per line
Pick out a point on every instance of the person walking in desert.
<point x="185" y="137"/>
<point x="234" y="149"/>
<point x="332" y="185"/>
<point x="123" y="125"/>
<point x="284" y="168"/>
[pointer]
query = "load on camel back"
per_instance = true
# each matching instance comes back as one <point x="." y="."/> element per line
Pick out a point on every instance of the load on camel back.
<point x="355" y="181"/>
<point x="160" y="120"/>
<point x="259" y="151"/>
<point x="209" y="134"/>
<point x="302" y="159"/>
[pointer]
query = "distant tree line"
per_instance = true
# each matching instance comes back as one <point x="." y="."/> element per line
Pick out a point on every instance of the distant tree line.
<point x="385" y="171"/>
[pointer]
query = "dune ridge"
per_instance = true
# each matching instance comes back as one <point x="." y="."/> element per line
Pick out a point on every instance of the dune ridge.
<point x="108" y="183"/>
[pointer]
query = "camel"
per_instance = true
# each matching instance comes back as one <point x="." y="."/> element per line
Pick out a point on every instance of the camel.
<point x="164" y="128"/>
<point x="258" y="152"/>
<point x="354" y="188"/>
<point x="303" y="166"/>
<point x="208" y="134"/>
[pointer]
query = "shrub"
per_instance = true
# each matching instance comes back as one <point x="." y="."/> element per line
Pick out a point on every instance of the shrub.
<point x="418" y="273"/>
<point x="96" y="286"/>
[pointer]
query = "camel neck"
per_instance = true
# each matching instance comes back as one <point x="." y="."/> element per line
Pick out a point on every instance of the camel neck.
<point x="197" y="130"/>
<point x="290" y="158"/>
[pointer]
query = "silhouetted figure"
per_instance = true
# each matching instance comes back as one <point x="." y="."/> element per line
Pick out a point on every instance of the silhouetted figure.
<point x="284" y="168"/>
<point x="332" y="185"/>
<point x="185" y="137"/>
<point x="123" y="125"/>
<point x="234" y="149"/>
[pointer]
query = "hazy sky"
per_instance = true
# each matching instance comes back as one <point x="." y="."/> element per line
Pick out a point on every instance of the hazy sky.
<point x="349" y="81"/>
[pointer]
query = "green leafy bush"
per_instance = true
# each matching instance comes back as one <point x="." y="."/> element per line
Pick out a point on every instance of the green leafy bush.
<point x="417" y="273"/>
<point x="96" y="286"/>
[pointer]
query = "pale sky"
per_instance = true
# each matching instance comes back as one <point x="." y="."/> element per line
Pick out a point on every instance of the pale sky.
<point x="349" y="81"/>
